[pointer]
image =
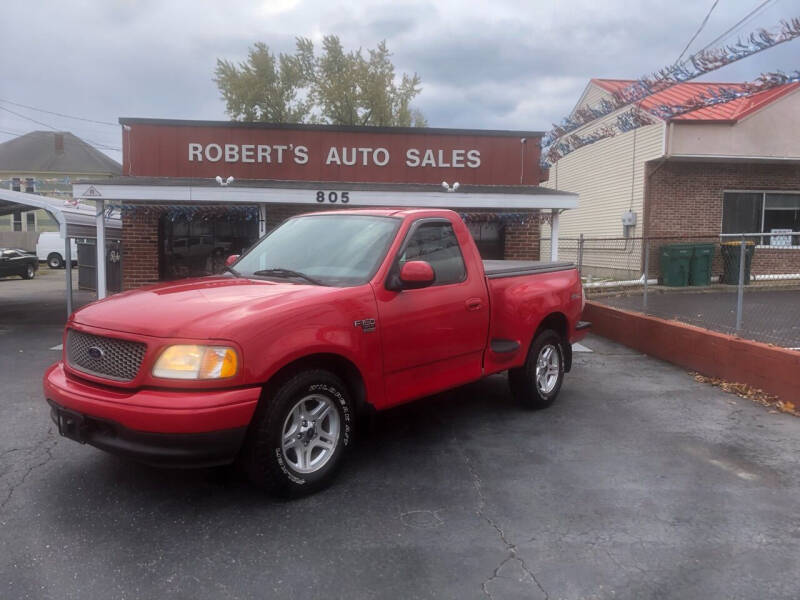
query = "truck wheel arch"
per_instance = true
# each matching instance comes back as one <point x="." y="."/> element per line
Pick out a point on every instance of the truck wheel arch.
<point x="335" y="363"/>
<point x="557" y="322"/>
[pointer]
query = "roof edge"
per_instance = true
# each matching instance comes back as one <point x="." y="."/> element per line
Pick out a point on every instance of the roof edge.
<point x="332" y="128"/>
<point x="129" y="180"/>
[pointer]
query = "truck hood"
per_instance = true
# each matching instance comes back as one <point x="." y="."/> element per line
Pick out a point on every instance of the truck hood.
<point x="201" y="308"/>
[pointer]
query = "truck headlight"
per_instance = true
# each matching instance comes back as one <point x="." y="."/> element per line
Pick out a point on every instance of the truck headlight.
<point x="197" y="362"/>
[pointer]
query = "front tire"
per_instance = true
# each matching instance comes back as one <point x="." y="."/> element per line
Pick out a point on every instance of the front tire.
<point x="29" y="272"/>
<point x="537" y="383"/>
<point x="54" y="260"/>
<point x="299" y="434"/>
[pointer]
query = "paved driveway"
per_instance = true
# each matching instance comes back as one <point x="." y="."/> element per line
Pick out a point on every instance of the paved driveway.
<point x="638" y="483"/>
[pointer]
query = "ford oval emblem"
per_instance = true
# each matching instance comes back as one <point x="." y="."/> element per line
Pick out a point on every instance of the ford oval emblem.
<point x="95" y="352"/>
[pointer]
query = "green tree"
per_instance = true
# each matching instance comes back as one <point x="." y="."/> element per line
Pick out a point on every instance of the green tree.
<point x="334" y="87"/>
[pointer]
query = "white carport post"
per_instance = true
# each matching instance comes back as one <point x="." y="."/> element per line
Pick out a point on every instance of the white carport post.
<point x="67" y="267"/>
<point x="554" y="234"/>
<point x="100" y="224"/>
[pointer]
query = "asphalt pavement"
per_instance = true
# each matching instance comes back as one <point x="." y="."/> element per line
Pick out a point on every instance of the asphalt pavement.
<point x="638" y="483"/>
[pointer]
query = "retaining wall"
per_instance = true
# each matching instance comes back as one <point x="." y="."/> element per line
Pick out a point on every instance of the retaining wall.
<point x="769" y="368"/>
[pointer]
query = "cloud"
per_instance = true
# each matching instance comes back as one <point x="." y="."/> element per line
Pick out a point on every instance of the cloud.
<point x="489" y="64"/>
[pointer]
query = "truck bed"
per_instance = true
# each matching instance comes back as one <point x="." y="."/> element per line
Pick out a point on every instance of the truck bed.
<point x="495" y="269"/>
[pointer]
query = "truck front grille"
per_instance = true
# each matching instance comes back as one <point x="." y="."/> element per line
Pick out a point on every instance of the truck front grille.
<point x="106" y="357"/>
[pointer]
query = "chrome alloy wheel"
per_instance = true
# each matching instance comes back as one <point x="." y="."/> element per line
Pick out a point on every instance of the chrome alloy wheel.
<point x="548" y="368"/>
<point x="310" y="433"/>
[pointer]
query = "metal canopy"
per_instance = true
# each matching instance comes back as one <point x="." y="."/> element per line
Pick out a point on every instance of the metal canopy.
<point x="79" y="221"/>
<point x="163" y="189"/>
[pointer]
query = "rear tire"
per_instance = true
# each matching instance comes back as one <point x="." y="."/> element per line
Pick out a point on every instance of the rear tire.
<point x="54" y="260"/>
<point x="29" y="273"/>
<point x="299" y="434"/>
<point x="536" y="384"/>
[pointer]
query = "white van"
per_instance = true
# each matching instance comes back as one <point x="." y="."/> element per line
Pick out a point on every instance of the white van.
<point x="50" y="249"/>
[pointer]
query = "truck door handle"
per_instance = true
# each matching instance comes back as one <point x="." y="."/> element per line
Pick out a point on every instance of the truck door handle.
<point x="473" y="303"/>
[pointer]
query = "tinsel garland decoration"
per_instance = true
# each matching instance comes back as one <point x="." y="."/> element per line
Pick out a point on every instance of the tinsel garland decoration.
<point x="575" y="141"/>
<point x="722" y="95"/>
<point x="506" y="218"/>
<point x="181" y="212"/>
<point x="635" y="117"/>
<point x="699" y="64"/>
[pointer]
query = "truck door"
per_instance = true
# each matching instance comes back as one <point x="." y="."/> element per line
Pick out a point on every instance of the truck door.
<point x="433" y="338"/>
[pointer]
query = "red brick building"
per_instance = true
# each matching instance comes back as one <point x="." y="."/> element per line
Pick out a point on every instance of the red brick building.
<point x="194" y="191"/>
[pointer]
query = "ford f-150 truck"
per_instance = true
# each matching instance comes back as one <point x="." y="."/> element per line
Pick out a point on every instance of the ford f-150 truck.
<point x="328" y="317"/>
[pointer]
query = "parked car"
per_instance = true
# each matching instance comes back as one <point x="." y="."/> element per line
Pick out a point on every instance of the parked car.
<point x="330" y="316"/>
<point x="50" y="249"/>
<point x="14" y="261"/>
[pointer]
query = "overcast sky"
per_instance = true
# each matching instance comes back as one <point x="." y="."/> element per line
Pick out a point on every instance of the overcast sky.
<point x="500" y="64"/>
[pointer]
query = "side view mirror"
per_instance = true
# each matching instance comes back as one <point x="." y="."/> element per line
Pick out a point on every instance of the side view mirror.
<point x="231" y="259"/>
<point x="416" y="274"/>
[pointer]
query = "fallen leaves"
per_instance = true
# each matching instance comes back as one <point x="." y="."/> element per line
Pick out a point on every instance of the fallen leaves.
<point x="749" y="392"/>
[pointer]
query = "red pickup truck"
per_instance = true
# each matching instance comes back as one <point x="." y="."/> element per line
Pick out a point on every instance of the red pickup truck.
<point x="329" y="316"/>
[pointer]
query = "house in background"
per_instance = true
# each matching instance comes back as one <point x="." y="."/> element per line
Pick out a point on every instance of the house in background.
<point x="45" y="163"/>
<point x="729" y="168"/>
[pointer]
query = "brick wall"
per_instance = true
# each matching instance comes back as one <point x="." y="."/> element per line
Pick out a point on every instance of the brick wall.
<point x="140" y="248"/>
<point x="771" y="261"/>
<point x="685" y="199"/>
<point x="522" y="241"/>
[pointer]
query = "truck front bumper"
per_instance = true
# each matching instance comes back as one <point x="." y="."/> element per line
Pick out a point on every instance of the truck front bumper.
<point x="158" y="427"/>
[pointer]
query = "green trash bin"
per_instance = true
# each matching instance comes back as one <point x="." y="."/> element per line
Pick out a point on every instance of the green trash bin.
<point x="731" y="253"/>
<point x="675" y="263"/>
<point x="700" y="268"/>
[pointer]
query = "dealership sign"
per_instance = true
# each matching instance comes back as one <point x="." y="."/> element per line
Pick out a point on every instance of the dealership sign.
<point x="365" y="157"/>
<point x="157" y="148"/>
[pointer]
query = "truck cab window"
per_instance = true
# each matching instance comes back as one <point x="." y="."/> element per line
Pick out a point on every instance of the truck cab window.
<point x="435" y="243"/>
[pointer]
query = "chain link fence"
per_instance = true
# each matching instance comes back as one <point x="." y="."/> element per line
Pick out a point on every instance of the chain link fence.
<point x="742" y="284"/>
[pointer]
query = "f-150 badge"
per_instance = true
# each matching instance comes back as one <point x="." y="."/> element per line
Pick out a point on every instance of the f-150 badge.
<point x="366" y="325"/>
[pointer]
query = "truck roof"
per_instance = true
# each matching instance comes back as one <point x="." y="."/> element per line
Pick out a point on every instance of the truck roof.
<point x="379" y="212"/>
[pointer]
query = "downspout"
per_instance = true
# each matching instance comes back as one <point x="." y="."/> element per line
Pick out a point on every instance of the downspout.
<point x="665" y="152"/>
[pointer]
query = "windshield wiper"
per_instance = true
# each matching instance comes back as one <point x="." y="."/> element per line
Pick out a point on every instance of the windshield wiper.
<point x="232" y="270"/>
<point x="287" y="273"/>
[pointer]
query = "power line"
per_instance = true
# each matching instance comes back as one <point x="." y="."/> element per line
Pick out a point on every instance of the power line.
<point x="99" y="145"/>
<point x="58" y="114"/>
<point x="746" y="18"/>
<point x="696" y="33"/>
<point x="11" y="132"/>
<point x="28" y="118"/>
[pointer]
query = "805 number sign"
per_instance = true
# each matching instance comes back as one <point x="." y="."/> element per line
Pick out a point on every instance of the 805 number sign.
<point x="333" y="197"/>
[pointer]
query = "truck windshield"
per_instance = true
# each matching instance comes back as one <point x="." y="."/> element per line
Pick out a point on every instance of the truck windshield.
<point x="334" y="250"/>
